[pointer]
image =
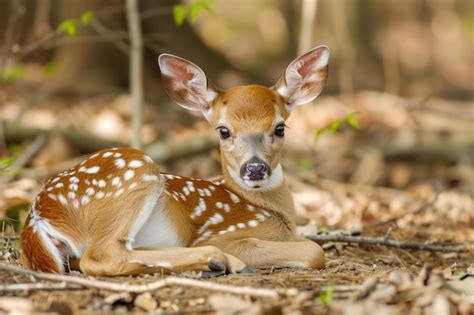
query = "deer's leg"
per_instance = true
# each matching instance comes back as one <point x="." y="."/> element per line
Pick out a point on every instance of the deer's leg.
<point x="262" y="253"/>
<point x="121" y="261"/>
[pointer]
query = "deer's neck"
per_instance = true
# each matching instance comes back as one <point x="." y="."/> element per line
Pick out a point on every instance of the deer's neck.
<point x="278" y="199"/>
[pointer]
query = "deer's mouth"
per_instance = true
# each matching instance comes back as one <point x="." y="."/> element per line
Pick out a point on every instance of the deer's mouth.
<point x="259" y="182"/>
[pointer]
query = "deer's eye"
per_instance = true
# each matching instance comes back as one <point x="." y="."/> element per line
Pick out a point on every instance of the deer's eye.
<point x="280" y="130"/>
<point x="224" y="132"/>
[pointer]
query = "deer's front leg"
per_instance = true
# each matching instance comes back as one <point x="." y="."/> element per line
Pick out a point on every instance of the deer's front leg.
<point x="263" y="253"/>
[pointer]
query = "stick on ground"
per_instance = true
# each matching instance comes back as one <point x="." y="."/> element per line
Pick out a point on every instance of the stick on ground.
<point x="381" y="240"/>
<point x="140" y="288"/>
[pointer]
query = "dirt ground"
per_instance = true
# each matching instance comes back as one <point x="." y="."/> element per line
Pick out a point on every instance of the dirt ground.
<point x="338" y="289"/>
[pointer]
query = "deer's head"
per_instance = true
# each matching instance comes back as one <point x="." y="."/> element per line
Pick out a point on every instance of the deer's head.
<point x="250" y="120"/>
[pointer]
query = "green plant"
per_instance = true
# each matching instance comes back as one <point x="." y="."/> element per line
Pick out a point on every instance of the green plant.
<point x="326" y="297"/>
<point x="191" y="11"/>
<point x="350" y="120"/>
<point x="69" y="26"/>
<point x="8" y="161"/>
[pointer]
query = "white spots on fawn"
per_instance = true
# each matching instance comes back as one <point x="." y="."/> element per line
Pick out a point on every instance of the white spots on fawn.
<point x="219" y="205"/>
<point x="190" y="186"/>
<point x="260" y="217"/>
<point x="207" y="192"/>
<point x="85" y="200"/>
<point x="117" y="155"/>
<point x="119" y="163"/>
<point x="250" y="207"/>
<point x="186" y="190"/>
<point x="226" y="207"/>
<point x="135" y="164"/>
<point x="101" y="183"/>
<point x="107" y="154"/>
<point x="59" y="185"/>
<point x="150" y="178"/>
<point x="128" y="175"/>
<point x="212" y="187"/>
<point x="241" y="225"/>
<point x="75" y="203"/>
<point x="51" y="196"/>
<point x="231" y="228"/>
<point x="90" y="191"/>
<point x="133" y="185"/>
<point x="74" y="179"/>
<point x="93" y="156"/>
<point x="99" y="195"/>
<point x="116" y="181"/>
<point x="119" y="192"/>
<point x="200" y="208"/>
<point x="71" y="195"/>
<point x="62" y="199"/>
<point x="50" y="188"/>
<point x="147" y="159"/>
<point x="73" y="187"/>
<point x="216" y="218"/>
<point x="92" y="170"/>
<point x="234" y="197"/>
<point x="252" y="223"/>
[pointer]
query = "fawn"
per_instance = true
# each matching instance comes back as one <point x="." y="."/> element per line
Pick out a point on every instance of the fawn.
<point x="117" y="214"/>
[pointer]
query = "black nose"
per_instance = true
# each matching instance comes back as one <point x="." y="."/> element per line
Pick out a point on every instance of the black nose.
<point x="255" y="169"/>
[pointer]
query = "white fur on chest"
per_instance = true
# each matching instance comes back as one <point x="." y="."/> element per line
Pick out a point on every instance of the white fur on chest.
<point x="158" y="230"/>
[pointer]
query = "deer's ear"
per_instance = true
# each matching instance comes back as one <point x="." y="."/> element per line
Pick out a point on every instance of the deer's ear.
<point x="186" y="83"/>
<point x="304" y="78"/>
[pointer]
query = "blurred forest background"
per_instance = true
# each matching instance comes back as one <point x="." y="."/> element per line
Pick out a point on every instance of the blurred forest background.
<point x="387" y="149"/>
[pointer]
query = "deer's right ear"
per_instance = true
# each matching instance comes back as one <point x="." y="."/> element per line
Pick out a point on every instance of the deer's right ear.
<point x="186" y="83"/>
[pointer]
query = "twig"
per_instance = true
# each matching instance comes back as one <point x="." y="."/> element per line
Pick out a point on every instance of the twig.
<point x="29" y="153"/>
<point x="384" y="242"/>
<point x="25" y="287"/>
<point x="136" y="69"/>
<point x="105" y="32"/>
<point x="140" y="288"/>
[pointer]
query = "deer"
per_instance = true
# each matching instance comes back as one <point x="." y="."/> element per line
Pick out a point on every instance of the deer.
<point x="117" y="214"/>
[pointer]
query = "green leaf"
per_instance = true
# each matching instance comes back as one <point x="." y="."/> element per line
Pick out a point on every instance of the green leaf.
<point x="50" y="69"/>
<point x="458" y="270"/>
<point x="194" y="10"/>
<point x="7" y="162"/>
<point x="86" y="17"/>
<point x="318" y="133"/>
<point x="199" y="6"/>
<point x="326" y="297"/>
<point x="334" y="126"/>
<point x="12" y="74"/>
<point x="179" y="14"/>
<point x="352" y="121"/>
<point x="68" y="26"/>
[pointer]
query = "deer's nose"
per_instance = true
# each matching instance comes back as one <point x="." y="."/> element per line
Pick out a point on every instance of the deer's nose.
<point x="255" y="169"/>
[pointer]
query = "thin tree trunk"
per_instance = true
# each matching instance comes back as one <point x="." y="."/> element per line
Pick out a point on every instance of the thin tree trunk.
<point x="136" y="69"/>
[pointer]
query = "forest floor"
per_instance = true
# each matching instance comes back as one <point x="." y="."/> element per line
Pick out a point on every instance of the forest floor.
<point x="426" y="198"/>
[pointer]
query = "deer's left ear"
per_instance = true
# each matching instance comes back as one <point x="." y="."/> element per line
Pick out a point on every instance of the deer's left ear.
<point x="186" y="83"/>
<point x="304" y="78"/>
